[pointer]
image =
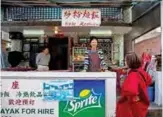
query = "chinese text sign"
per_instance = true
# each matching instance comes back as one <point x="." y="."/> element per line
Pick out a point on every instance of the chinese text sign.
<point x="81" y="17"/>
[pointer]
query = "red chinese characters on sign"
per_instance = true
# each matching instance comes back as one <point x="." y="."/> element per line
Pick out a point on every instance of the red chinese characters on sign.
<point x="31" y="102"/>
<point x="15" y="85"/>
<point x="18" y="102"/>
<point x="21" y="102"/>
<point x="86" y="14"/>
<point x="11" y="102"/>
<point x="81" y="17"/>
<point x="25" y="102"/>
<point x="67" y="14"/>
<point x="77" y="14"/>
<point x="82" y="14"/>
<point x="94" y="15"/>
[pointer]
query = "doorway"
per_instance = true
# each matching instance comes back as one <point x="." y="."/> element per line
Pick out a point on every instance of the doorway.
<point x="58" y="48"/>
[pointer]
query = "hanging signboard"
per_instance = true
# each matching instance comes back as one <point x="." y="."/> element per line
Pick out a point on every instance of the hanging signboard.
<point x="81" y="17"/>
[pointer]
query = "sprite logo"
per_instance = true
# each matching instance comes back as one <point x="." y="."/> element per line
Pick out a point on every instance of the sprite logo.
<point x="87" y="99"/>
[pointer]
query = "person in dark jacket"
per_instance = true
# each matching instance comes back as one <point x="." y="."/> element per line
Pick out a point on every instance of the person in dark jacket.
<point x="15" y="59"/>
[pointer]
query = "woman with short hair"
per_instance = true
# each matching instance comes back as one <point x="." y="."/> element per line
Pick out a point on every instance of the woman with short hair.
<point x="134" y="101"/>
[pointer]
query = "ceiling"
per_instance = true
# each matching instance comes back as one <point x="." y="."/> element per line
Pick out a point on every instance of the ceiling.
<point x="69" y="31"/>
<point x="68" y="3"/>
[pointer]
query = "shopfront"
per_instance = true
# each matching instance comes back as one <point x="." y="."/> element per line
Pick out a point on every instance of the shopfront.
<point x="68" y="42"/>
<point x="62" y="91"/>
<point x="65" y="90"/>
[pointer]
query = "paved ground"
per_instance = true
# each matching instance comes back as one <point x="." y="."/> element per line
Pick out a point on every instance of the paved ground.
<point x="155" y="111"/>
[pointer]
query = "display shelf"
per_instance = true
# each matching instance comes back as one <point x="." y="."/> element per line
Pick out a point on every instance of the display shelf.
<point x="78" y="54"/>
<point x="78" y="58"/>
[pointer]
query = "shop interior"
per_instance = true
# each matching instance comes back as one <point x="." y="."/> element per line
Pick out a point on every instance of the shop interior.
<point x="67" y="45"/>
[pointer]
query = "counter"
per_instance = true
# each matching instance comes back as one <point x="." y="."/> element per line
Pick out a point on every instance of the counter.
<point x="58" y="94"/>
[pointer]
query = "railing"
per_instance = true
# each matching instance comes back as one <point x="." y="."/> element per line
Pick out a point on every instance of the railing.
<point x="53" y="13"/>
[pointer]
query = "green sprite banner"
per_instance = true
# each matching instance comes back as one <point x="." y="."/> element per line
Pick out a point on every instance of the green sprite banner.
<point x="89" y="100"/>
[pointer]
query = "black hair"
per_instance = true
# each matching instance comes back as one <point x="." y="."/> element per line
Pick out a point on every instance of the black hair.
<point x="43" y="48"/>
<point x="133" y="60"/>
<point x="14" y="58"/>
<point x="93" y="38"/>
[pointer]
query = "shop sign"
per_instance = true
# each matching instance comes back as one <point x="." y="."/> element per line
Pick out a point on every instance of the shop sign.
<point x="33" y="98"/>
<point x="81" y="17"/>
<point x="89" y="100"/>
<point x="47" y="98"/>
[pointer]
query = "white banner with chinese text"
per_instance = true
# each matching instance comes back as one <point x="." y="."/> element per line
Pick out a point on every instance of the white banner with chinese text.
<point x="33" y="98"/>
<point x="81" y="17"/>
